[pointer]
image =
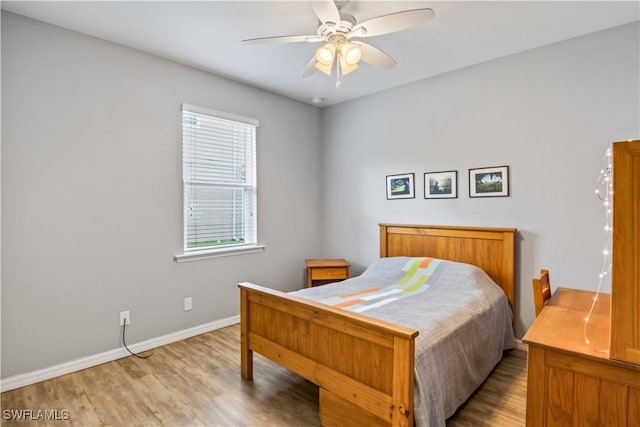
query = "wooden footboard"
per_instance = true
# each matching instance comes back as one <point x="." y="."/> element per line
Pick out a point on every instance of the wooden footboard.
<point x="363" y="366"/>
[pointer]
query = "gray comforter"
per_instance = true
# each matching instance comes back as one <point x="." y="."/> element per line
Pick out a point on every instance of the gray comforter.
<point x="463" y="317"/>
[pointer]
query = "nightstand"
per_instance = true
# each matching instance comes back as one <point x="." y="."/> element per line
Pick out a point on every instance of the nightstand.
<point x="323" y="271"/>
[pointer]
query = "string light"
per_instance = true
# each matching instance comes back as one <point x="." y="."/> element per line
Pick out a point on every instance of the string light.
<point x="604" y="193"/>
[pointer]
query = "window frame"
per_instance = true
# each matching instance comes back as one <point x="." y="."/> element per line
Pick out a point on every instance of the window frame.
<point x="189" y="254"/>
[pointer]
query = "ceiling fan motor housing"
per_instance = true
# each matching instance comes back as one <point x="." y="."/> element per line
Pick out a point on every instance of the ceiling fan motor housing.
<point x="343" y="27"/>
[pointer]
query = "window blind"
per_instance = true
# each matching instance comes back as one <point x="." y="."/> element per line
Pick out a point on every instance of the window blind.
<point x="219" y="177"/>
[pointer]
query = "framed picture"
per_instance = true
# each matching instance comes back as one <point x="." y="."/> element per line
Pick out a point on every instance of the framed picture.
<point x="441" y="185"/>
<point x="489" y="182"/>
<point x="400" y="186"/>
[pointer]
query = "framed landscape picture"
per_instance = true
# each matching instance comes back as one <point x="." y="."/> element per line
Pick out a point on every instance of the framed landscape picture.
<point x="441" y="185"/>
<point x="489" y="182"/>
<point x="400" y="186"/>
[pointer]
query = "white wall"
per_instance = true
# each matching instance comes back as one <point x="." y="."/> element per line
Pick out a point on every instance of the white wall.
<point x="92" y="195"/>
<point x="549" y="114"/>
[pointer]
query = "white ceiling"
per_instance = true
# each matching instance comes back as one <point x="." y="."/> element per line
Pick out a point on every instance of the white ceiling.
<point x="208" y="34"/>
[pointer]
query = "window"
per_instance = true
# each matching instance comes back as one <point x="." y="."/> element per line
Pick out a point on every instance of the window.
<point x="219" y="178"/>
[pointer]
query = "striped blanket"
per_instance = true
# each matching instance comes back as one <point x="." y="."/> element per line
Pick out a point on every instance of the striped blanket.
<point x="415" y="281"/>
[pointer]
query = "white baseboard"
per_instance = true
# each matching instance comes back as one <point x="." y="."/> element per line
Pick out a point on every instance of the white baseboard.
<point x="21" y="380"/>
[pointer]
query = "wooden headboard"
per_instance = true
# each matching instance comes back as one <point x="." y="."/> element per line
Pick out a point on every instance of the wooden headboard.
<point x="491" y="249"/>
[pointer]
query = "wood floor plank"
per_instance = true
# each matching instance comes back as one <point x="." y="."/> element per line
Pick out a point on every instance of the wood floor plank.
<point x="196" y="382"/>
<point x="501" y="399"/>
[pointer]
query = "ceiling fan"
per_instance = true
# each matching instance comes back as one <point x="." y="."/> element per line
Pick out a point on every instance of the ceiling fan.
<point x="340" y="33"/>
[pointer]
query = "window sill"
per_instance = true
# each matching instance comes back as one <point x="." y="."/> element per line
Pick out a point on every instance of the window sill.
<point x="217" y="253"/>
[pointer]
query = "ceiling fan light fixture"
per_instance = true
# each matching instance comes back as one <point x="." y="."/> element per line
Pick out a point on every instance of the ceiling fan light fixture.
<point x="326" y="54"/>
<point x="325" y="68"/>
<point x="351" y="53"/>
<point x="345" y="67"/>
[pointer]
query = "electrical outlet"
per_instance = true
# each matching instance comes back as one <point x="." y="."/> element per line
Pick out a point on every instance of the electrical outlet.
<point x="188" y="304"/>
<point x="125" y="316"/>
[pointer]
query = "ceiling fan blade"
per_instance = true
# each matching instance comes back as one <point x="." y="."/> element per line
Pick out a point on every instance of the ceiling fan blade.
<point x="310" y="68"/>
<point x="326" y="11"/>
<point x="375" y="56"/>
<point x="391" y="23"/>
<point x="284" y="39"/>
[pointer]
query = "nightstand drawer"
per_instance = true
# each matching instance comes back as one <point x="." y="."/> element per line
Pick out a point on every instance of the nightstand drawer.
<point x="329" y="273"/>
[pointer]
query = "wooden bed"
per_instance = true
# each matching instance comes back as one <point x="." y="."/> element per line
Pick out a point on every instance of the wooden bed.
<point x="374" y="386"/>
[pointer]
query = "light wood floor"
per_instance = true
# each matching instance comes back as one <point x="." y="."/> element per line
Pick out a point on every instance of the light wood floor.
<point x="196" y="382"/>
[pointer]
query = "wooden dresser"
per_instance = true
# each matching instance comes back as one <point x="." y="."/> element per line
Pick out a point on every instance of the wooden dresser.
<point x="588" y="373"/>
<point x="571" y="380"/>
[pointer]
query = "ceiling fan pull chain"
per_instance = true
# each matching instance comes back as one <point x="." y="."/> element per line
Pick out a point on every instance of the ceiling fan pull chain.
<point x="338" y="82"/>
